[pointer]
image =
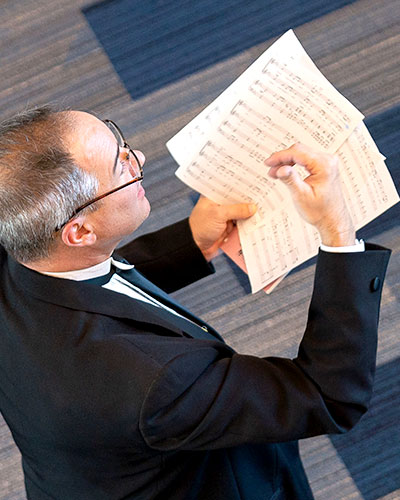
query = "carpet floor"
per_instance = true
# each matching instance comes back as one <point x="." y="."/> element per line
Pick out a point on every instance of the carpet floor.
<point x="152" y="66"/>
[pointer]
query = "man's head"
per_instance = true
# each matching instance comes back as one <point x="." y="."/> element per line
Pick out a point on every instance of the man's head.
<point x="53" y="163"/>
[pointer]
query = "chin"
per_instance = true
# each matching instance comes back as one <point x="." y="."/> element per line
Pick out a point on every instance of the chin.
<point x="142" y="211"/>
<point x="147" y="208"/>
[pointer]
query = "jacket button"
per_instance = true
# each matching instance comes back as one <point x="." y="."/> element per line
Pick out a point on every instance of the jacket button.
<point x="375" y="284"/>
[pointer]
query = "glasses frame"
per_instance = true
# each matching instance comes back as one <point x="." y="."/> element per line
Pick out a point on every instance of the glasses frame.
<point x="122" y="144"/>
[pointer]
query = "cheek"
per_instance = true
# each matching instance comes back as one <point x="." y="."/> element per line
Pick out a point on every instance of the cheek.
<point x="129" y="203"/>
<point x="137" y="204"/>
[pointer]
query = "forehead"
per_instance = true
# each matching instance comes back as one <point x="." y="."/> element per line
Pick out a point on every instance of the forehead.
<point x="91" y="142"/>
<point x="116" y="131"/>
<point x="90" y="129"/>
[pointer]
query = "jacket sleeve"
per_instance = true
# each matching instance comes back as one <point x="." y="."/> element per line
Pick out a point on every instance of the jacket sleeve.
<point x="169" y="257"/>
<point x="208" y="397"/>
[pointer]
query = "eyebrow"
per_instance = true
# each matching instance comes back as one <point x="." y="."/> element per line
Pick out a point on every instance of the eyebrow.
<point x="116" y="160"/>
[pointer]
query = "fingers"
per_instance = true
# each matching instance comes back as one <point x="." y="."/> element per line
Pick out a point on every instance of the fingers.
<point x="238" y="211"/>
<point x="211" y="223"/>
<point x="230" y="225"/>
<point x="298" y="153"/>
<point x="290" y="177"/>
<point x="314" y="162"/>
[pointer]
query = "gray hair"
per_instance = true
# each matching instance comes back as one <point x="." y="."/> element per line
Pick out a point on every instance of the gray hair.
<point x="40" y="184"/>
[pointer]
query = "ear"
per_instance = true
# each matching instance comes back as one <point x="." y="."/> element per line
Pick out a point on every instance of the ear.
<point x="78" y="233"/>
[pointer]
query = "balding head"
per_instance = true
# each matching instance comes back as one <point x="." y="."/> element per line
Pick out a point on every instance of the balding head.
<point x="40" y="181"/>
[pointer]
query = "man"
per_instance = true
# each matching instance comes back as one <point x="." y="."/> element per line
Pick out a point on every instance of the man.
<point x="114" y="391"/>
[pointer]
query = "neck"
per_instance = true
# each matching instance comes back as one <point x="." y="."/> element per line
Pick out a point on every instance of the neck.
<point x="70" y="260"/>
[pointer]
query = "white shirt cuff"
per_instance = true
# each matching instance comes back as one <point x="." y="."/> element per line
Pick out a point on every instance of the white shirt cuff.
<point x="359" y="246"/>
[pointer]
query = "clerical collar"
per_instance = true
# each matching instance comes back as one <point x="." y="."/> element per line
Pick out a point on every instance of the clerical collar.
<point x="91" y="272"/>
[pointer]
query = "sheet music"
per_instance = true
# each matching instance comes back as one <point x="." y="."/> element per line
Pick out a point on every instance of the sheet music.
<point x="367" y="184"/>
<point x="281" y="99"/>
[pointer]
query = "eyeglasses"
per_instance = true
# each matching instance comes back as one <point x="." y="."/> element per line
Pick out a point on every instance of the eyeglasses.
<point x="134" y="164"/>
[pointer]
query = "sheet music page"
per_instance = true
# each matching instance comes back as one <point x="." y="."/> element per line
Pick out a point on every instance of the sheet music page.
<point x="367" y="184"/>
<point x="281" y="99"/>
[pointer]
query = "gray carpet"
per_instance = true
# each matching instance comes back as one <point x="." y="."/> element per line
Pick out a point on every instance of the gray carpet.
<point x="50" y="52"/>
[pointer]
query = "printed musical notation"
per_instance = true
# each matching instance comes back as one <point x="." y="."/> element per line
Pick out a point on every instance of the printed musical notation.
<point x="282" y="98"/>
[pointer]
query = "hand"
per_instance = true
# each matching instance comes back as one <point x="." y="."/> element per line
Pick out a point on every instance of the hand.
<point x="318" y="198"/>
<point x="211" y="223"/>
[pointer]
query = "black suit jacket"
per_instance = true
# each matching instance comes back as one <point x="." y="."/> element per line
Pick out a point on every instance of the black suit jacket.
<point x="111" y="398"/>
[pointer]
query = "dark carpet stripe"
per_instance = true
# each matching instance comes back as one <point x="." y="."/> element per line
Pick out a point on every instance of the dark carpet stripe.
<point x="154" y="43"/>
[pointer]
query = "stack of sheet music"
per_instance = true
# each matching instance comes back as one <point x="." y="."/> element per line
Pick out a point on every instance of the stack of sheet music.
<point x="282" y="98"/>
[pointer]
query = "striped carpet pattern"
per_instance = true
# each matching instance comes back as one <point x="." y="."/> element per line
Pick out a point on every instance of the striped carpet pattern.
<point x="151" y="66"/>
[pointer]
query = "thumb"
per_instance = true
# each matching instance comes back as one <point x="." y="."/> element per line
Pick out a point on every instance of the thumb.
<point x="240" y="211"/>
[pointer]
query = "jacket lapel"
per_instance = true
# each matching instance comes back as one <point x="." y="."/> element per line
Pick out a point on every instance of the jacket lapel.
<point x="192" y="325"/>
<point x="137" y="279"/>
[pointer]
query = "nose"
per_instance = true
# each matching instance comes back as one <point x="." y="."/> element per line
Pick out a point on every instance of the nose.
<point x="140" y="156"/>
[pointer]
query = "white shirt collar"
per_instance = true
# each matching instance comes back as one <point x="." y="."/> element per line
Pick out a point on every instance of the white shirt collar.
<point x="91" y="272"/>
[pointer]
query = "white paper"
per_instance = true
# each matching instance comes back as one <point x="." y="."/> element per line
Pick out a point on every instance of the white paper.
<point x="281" y="99"/>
